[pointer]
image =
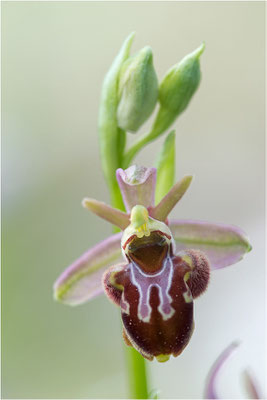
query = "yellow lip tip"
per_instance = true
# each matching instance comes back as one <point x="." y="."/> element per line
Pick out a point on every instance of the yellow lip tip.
<point x="163" y="357"/>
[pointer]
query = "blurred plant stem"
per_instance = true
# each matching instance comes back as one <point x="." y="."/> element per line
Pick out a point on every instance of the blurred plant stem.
<point x="135" y="148"/>
<point x="136" y="367"/>
<point x="137" y="374"/>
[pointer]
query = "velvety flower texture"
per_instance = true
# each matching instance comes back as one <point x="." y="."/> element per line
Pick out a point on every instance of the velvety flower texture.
<point x="161" y="265"/>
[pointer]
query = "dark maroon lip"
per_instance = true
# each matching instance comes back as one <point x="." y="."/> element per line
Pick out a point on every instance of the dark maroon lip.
<point x="134" y="236"/>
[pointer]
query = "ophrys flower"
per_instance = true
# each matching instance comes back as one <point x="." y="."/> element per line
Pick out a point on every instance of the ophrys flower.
<point x="163" y="266"/>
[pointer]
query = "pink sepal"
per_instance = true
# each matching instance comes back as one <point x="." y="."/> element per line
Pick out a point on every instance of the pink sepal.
<point x="223" y="244"/>
<point x="81" y="281"/>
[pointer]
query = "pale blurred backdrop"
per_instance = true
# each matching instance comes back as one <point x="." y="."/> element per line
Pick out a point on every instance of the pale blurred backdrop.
<point x="54" y="58"/>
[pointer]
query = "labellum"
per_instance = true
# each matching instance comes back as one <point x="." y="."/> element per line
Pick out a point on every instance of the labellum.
<point x="156" y="288"/>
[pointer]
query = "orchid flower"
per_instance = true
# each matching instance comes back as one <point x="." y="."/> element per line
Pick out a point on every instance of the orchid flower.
<point x="211" y="384"/>
<point x="154" y="268"/>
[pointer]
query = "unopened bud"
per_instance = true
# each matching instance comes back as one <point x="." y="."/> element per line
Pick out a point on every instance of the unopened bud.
<point x="177" y="89"/>
<point x="137" y="91"/>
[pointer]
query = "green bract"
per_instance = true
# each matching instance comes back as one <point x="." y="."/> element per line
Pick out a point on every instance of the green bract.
<point x="138" y="90"/>
<point x="166" y="167"/>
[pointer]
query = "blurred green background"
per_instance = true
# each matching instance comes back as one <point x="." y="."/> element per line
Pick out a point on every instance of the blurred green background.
<point x="54" y="58"/>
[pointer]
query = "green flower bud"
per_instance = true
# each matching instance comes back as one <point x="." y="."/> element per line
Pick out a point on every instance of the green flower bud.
<point x="137" y="91"/>
<point x="177" y="89"/>
<point x="111" y="137"/>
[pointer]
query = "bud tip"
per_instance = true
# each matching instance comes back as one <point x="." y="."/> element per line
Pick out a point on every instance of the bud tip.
<point x="201" y="49"/>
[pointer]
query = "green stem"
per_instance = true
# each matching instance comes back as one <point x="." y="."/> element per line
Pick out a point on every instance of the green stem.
<point x="135" y="148"/>
<point x="163" y="121"/>
<point x="137" y="374"/>
<point x="136" y="366"/>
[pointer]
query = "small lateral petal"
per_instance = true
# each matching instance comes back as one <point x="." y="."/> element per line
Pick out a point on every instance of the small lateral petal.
<point x="200" y="271"/>
<point x="81" y="281"/>
<point x="224" y="245"/>
<point x="137" y="186"/>
<point x="211" y="390"/>
<point x="162" y="210"/>
<point x="110" y="214"/>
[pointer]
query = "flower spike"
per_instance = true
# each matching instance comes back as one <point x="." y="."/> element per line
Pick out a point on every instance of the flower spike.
<point x="162" y="210"/>
<point x="110" y="214"/>
<point x="155" y="268"/>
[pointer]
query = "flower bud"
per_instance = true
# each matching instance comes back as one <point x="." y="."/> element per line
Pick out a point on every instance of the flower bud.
<point x="177" y="89"/>
<point x="111" y="138"/>
<point x="137" y="91"/>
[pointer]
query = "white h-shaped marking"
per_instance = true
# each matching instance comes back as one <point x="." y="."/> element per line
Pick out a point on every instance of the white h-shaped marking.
<point x="144" y="283"/>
